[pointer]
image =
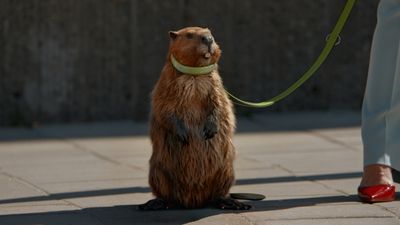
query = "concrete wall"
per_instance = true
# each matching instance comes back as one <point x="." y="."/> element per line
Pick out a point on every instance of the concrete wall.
<point x="87" y="60"/>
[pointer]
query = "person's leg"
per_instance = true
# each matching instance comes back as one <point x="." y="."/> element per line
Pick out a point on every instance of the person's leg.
<point x="380" y="114"/>
<point x="393" y="115"/>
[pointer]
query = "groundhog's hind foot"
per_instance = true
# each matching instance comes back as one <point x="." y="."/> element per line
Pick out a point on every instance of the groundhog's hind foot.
<point x="154" y="204"/>
<point x="230" y="203"/>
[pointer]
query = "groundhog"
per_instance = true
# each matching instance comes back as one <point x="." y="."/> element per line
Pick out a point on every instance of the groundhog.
<point x="191" y="128"/>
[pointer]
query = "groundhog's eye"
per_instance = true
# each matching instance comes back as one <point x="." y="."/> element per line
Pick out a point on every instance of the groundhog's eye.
<point x="189" y="35"/>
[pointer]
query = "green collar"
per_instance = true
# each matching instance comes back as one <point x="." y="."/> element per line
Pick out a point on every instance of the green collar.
<point x="192" y="70"/>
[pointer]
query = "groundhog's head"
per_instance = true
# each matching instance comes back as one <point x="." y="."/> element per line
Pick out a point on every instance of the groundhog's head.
<point x="194" y="46"/>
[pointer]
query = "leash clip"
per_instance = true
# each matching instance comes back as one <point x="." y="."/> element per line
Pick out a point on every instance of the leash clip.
<point x="338" y="41"/>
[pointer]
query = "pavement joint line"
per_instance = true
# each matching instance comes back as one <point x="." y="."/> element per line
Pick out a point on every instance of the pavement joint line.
<point x="387" y="210"/>
<point x="330" y="188"/>
<point x="29" y="205"/>
<point x="286" y="169"/>
<point x="317" y="134"/>
<point x="98" y="180"/>
<point x="78" y="194"/>
<point x="26" y="183"/>
<point x="267" y="165"/>
<point x="36" y="188"/>
<point x="294" y="152"/>
<point x="256" y="168"/>
<point x="311" y="180"/>
<point x="332" y="140"/>
<point x="326" y="218"/>
<point x="98" y="155"/>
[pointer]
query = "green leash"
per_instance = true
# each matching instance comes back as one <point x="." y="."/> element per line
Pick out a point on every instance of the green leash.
<point x="321" y="58"/>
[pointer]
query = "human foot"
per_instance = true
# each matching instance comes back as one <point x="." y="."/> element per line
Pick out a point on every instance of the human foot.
<point x="376" y="174"/>
<point x="377" y="184"/>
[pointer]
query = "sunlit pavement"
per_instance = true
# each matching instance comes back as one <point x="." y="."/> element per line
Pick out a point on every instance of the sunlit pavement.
<point x="308" y="165"/>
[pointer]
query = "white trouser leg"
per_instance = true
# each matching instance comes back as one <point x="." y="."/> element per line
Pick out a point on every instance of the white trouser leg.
<point x="381" y="107"/>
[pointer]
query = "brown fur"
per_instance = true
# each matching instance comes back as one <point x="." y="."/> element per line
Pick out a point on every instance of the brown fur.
<point x="197" y="171"/>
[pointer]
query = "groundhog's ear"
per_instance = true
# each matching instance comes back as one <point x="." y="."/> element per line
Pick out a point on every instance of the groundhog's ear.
<point x="173" y="35"/>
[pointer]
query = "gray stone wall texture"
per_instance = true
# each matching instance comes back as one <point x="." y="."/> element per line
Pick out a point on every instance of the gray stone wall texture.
<point x="93" y="60"/>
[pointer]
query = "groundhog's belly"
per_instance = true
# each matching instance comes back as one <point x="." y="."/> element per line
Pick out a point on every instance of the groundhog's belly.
<point x="198" y="158"/>
<point x="196" y="183"/>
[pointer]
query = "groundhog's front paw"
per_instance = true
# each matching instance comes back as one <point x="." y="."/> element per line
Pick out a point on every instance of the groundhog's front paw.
<point x="210" y="130"/>
<point x="181" y="131"/>
<point x="183" y="136"/>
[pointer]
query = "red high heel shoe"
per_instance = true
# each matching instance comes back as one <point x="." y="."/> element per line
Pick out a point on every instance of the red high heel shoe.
<point x="377" y="193"/>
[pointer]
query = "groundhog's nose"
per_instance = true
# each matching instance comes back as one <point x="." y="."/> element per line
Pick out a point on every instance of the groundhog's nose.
<point x="206" y="39"/>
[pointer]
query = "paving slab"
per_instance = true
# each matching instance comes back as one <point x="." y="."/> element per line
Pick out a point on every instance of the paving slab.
<point x="55" y="218"/>
<point x="43" y="207"/>
<point x="99" y="187"/>
<point x="13" y="188"/>
<point x="317" y="162"/>
<point x="334" y="221"/>
<point x="275" y="143"/>
<point x="231" y="219"/>
<point x="308" y="166"/>
<point x="87" y="170"/>
<point x="315" y="211"/>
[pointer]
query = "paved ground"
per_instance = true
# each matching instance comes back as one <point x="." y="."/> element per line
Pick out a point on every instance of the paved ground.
<point x="308" y="165"/>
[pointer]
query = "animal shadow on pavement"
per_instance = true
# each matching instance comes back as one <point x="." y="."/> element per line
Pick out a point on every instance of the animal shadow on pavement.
<point x="129" y="214"/>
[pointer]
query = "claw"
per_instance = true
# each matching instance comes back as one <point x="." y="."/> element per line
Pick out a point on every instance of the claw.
<point x="154" y="204"/>
<point x="230" y="203"/>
